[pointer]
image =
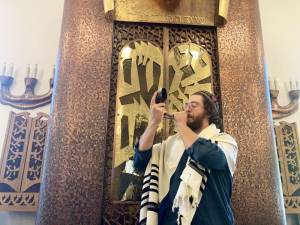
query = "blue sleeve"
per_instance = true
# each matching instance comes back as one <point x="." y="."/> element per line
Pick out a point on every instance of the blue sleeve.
<point x="208" y="154"/>
<point x="141" y="158"/>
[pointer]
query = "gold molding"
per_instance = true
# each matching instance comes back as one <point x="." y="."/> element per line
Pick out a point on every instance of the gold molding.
<point x="109" y="6"/>
<point x="191" y="12"/>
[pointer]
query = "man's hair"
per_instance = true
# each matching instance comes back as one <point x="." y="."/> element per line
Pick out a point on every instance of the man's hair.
<point x="211" y="107"/>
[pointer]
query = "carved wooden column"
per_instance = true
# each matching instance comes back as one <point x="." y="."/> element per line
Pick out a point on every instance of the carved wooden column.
<point x="247" y="116"/>
<point x="72" y="180"/>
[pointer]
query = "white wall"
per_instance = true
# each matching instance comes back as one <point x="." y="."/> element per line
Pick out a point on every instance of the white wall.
<point x="281" y="37"/>
<point x="30" y="32"/>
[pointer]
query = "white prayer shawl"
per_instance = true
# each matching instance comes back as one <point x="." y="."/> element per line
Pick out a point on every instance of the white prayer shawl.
<point x="161" y="167"/>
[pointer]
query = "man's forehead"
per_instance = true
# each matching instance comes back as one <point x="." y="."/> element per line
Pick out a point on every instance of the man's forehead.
<point x="196" y="98"/>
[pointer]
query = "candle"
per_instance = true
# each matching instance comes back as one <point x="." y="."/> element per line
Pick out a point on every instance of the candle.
<point x="271" y="86"/>
<point x="291" y="85"/>
<point x="53" y="72"/>
<point x="28" y="70"/>
<point x="11" y="70"/>
<point x="4" y="69"/>
<point x="297" y="85"/>
<point x="35" y="70"/>
<point x="276" y="83"/>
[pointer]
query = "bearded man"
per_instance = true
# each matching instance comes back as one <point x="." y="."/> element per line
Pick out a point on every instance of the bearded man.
<point x="188" y="177"/>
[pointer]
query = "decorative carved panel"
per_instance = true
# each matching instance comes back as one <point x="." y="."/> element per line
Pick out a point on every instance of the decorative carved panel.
<point x="124" y="33"/>
<point x="34" y="156"/>
<point x="21" y="161"/>
<point x="14" y="152"/>
<point x="142" y="56"/>
<point x="289" y="162"/>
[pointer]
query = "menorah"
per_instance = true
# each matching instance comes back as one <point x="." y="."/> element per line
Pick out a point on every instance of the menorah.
<point x="28" y="100"/>
<point x="279" y="111"/>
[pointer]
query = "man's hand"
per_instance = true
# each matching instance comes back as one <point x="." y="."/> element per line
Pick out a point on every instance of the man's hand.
<point x="180" y="118"/>
<point x="188" y="136"/>
<point x="157" y="110"/>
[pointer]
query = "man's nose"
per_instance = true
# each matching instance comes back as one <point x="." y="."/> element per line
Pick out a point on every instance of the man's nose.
<point x="187" y="108"/>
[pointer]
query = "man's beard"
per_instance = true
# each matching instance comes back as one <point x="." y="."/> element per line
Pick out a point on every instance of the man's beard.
<point x="195" y="123"/>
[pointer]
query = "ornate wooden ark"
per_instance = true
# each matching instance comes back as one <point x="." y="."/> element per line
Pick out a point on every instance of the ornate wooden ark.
<point x="146" y="57"/>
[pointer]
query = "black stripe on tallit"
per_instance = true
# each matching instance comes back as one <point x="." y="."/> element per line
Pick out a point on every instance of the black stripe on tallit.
<point x="154" y="184"/>
<point x="154" y="165"/>
<point x="194" y="165"/>
<point x="154" y="170"/>
<point x="143" y="221"/>
<point x="146" y="181"/>
<point x="153" y="177"/>
<point x="146" y="176"/>
<point x="151" y="206"/>
<point x="145" y="197"/>
<point x="148" y="189"/>
<point x="202" y="189"/>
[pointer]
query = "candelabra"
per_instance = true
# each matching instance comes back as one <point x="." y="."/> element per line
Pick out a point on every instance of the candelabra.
<point x="28" y="100"/>
<point x="279" y="111"/>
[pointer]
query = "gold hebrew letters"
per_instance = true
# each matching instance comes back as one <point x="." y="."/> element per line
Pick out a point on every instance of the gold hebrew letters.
<point x="189" y="72"/>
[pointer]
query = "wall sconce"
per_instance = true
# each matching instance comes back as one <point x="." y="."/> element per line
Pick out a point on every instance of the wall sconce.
<point x="279" y="111"/>
<point x="28" y="100"/>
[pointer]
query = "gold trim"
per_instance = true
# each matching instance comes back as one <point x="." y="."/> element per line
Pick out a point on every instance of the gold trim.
<point x="223" y="12"/>
<point x="192" y="12"/>
<point x="109" y="7"/>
